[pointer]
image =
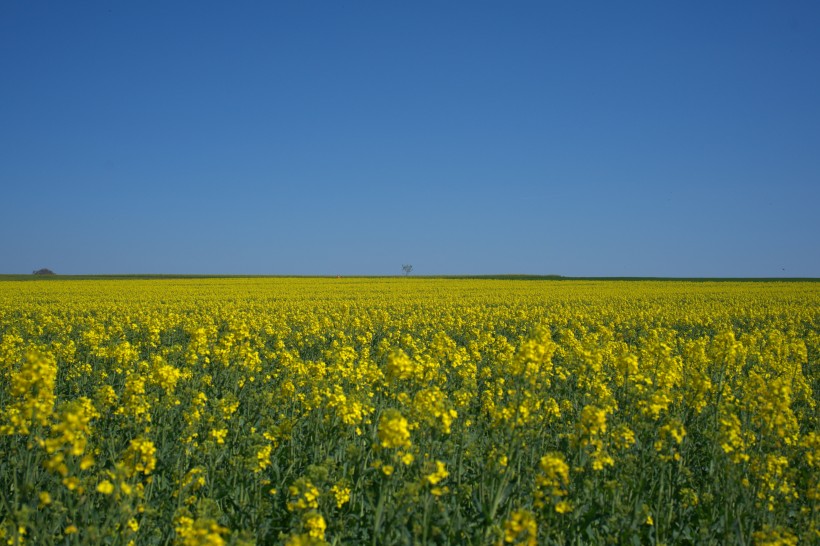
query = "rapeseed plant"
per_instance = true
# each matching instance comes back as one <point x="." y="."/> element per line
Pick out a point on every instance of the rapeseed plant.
<point x="400" y="411"/>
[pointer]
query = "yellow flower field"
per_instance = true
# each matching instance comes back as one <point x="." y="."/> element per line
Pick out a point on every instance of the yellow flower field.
<point x="409" y="411"/>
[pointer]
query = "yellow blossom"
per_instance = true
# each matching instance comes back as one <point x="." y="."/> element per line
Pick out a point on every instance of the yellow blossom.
<point x="393" y="430"/>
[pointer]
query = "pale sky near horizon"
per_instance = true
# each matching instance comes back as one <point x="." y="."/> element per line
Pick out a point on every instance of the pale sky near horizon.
<point x="351" y="137"/>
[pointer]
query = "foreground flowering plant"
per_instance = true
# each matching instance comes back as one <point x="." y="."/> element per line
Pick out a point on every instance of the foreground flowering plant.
<point x="402" y="411"/>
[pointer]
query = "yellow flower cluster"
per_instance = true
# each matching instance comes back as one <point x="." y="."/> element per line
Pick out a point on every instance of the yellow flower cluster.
<point x="140" y="456"/>
<point x="199" y="532"/>
<point x="304" y="495"/>
<point x="394" y="431"/>
<point x="31" y="390"/>
<point x="552" y="482"/>
<point x="521" y="528"/>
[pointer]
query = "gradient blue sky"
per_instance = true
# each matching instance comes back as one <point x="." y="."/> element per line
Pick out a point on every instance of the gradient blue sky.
<point x="607" y="138"/>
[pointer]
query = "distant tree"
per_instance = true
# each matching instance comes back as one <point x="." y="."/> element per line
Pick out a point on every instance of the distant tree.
<point x="407" y="268"/>
<point x="43" y="271"/>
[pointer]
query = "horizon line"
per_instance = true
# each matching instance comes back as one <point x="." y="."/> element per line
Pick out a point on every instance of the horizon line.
<point x="491" y="276"/>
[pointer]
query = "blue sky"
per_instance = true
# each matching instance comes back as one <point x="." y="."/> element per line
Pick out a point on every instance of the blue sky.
<point x="341" y="137"/>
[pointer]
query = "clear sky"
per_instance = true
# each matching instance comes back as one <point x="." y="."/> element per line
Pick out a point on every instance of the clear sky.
<point x="345" y="137"/>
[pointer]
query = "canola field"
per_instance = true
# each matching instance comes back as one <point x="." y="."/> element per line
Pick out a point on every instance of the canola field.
<point x="409" y="411"/>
